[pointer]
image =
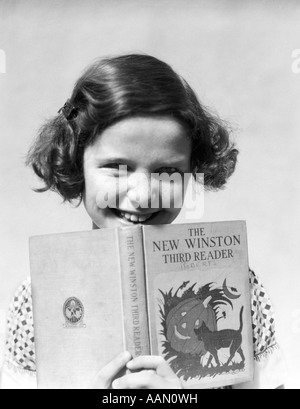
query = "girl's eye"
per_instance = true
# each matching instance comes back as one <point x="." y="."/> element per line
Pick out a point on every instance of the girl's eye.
<point x="169" y="171"/>
<point x="124" y="168"/>
<point x="112" y="166"/>
<point x="116" y="166"/>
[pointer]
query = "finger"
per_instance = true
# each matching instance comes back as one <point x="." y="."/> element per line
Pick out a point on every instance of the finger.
<point x="104" y="377"/>
<point x="156" y="363"/>
<point x="139" y="380"/>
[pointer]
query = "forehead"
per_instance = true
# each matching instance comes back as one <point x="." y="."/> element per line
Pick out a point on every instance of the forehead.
<point x="147" y="138"/>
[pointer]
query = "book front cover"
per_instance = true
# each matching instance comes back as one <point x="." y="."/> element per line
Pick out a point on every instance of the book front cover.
<point x="199" y="301"/>
<point x="78" y="311"/>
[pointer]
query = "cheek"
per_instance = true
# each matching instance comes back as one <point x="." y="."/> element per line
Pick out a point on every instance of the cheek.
<point x="99" y="187"/>
<point x="173" y="193"/>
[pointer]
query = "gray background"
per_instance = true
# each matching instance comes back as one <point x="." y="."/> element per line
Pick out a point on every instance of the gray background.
<point x="237" y="55"/>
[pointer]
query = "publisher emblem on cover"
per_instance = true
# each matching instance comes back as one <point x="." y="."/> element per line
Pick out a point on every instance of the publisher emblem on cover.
<point x="73" y="312"/>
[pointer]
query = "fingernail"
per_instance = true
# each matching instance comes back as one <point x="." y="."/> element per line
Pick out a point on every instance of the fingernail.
<point x="115" y="384"/>
<point x="129" y="365"/>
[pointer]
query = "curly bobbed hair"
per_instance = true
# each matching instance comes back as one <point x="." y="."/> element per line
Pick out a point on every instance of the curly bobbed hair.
<point x="112" y="89"/>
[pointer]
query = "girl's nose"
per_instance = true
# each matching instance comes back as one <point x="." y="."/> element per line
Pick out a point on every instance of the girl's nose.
<point x="141" y="192"/>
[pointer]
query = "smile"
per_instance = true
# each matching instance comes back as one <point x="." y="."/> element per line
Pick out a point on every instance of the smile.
<point x="134" y="218"/>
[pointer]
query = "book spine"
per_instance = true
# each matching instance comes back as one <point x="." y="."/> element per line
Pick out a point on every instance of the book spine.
<point x="136" y="328"/>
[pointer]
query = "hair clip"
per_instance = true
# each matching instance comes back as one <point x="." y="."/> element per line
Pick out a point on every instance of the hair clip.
<point x="69" y="111"/>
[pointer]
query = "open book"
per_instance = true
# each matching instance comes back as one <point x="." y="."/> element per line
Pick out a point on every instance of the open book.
<point x="179" y="291"/>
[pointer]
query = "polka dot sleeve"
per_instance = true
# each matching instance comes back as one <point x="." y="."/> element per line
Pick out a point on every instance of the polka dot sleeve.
<point x="19" y="349"/>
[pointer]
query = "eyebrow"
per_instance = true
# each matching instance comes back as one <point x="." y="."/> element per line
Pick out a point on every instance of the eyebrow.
<point x="113" y="160"/>
<point x="177" y="160"/>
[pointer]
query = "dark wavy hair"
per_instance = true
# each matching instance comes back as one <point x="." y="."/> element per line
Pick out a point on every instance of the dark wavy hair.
<point x="112" y="89"/>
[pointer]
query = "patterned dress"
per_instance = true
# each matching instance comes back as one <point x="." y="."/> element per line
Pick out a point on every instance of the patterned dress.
<point x="20" y="348"/>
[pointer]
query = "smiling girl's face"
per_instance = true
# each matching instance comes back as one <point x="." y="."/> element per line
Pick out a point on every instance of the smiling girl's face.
<point x="145" y="145"/>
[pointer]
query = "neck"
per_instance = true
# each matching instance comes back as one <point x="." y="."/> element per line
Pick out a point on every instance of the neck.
<point x="95" y="227"/>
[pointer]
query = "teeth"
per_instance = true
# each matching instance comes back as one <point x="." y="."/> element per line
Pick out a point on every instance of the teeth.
<point x="134" y="218"/>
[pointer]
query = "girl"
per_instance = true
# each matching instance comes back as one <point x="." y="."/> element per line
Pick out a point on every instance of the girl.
<point x="132" y="110"/>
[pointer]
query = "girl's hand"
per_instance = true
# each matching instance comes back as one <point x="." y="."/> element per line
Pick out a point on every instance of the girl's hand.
<point x="105" y="377"/>
<point x="148" y="372"/>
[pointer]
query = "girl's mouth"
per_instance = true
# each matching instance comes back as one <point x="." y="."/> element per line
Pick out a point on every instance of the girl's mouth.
<point x="134" y="218"/>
